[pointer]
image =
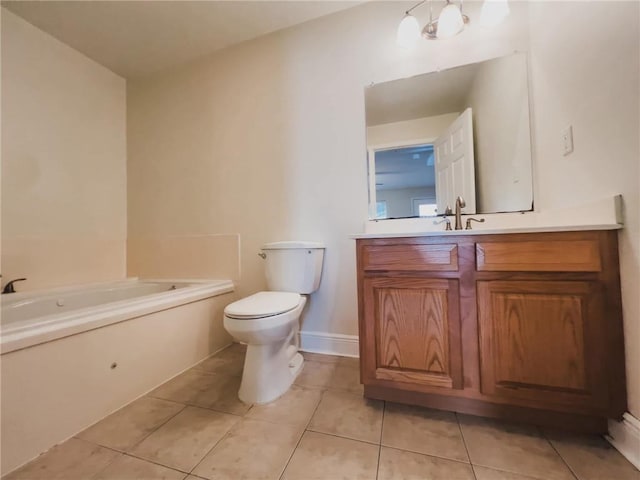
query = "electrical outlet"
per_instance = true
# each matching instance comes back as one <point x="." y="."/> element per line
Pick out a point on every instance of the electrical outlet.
<point x="567" y="140"/>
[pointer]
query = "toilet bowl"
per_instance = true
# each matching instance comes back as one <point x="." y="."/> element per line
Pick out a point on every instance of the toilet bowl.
<point x="272" y="361"/>
<point x="269" y="322"/>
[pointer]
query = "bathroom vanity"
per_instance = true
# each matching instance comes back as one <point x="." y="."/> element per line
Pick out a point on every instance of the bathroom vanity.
<point x="522" y="326"/>
<point x="520" y="319"/>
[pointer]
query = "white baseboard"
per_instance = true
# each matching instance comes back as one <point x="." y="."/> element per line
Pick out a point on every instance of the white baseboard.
<point x="329" y="343"/>
<point x="625" y="437"/>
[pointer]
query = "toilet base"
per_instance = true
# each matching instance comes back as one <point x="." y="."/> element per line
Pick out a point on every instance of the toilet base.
<point x="269" y="371"/>
<point x="296" y="364"/>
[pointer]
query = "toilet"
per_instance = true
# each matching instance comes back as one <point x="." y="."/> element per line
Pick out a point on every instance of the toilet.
<point x="268" y="322"/>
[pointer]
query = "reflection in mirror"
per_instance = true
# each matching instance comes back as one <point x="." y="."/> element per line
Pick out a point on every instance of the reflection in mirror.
<point x="405" y="182"/>
<point x="464" y="131"/>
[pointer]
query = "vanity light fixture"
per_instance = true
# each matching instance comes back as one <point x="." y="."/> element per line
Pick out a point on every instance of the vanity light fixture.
<point x="449" y="23"/>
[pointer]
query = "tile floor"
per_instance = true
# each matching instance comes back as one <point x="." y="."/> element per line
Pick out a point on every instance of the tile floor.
<point x="194" y="427"/>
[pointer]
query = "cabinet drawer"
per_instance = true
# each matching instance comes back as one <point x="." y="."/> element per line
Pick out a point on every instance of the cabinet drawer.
<point x="539" y="256"/>
<point x="411" y="257"/>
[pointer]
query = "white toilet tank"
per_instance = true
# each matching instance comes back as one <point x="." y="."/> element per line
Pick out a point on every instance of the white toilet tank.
<point x="293" y="266"/>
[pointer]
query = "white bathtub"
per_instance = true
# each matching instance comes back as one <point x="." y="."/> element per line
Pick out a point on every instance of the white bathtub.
<point x="31" y="318"/>
<point x="71" y="356"/>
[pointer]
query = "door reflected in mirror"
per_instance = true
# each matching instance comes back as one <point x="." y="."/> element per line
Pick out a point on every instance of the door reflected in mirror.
<point x="460" y="132"/>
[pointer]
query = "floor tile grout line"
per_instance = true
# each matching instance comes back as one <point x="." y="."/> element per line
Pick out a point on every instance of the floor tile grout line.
<point x="154" y="462"/>
<point x="345" y="438"/>
<point x="328" y="389"/>
<point x="108" y="463"/>
<point x="384" y="409"/>
<point x="217" y="410"/>
<point x="214" y="446"/>
<point x="241" y="417"/>
<point x="544" y="435"/>
<point x="497" y="469"/>
<point x="560" y="455"/>
<point x="430" y="455"/>
<point x="157" y="428"/>
<point x="304" y="430"/>
<point x="139" y="441"/>
<point x="128" y="454"/>
<point x="466" y="448"/>
<point x="117" y="411"/>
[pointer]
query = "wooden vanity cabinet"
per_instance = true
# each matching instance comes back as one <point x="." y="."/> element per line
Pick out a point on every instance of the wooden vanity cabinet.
<point x="522" y="326"/>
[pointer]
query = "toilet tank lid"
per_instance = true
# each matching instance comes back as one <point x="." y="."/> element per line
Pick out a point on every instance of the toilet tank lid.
<point x="292" y="244"/>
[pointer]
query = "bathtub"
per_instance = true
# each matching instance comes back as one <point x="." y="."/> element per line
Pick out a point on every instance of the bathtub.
<point x="71" y="356"/>
<point x="31" y="318"/>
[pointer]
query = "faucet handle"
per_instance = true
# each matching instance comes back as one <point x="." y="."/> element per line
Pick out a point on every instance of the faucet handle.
<point x="446" y="221"/>
<point x="469" y="220"/>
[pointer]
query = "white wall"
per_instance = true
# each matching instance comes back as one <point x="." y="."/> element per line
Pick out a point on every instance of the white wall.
<point x="63" y="162"/>
<point x="585" y="73"/>
<point x="500" y="103"/>
<point x="250" y="140"/>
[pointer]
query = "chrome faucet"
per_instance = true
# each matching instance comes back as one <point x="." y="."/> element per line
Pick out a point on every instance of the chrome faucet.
<point x="8" y="288"/>
<point x="460" y="204"/>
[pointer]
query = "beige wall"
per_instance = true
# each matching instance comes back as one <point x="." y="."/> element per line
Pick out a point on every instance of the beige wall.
<point x="184" y="257"/>
<point x="502" y="142"/>
<point x="63" y="162"/>
<point x="585" y="73"/>
<point x="250" y="140"/>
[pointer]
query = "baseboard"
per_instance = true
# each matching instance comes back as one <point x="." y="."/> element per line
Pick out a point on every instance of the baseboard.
<point x="329" y="343"/>
<point x="625" y="437"/>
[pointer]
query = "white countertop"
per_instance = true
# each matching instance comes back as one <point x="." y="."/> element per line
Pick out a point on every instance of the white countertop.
<point x="489" y="231"/>
<point x="604" y="214"/>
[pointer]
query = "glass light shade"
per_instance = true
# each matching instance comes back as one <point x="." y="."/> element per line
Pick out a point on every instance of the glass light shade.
<point x="450" y="21"/>
<point x="493" y="12"/>
<point x="408" y="32"/>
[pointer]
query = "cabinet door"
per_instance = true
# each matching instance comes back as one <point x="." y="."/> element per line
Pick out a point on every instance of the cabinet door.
<point x="413" y="331"/>
<point x="542" y="341"/>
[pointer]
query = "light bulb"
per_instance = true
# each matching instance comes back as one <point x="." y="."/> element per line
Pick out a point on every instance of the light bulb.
<point x="450" y="21"/>
<point x="408" y="32"/>
<point x="493" y="12"/>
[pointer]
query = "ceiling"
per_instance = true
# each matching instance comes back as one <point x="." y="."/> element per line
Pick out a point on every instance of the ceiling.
<point x="137" y="38"/>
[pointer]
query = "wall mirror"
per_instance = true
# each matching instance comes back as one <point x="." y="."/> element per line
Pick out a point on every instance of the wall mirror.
<point x="458" y="132"/>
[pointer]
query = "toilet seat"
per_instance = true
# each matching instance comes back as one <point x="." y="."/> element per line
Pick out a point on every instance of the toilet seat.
<point x="262" y="304"/>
